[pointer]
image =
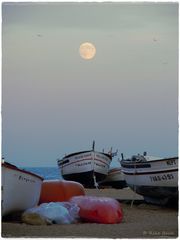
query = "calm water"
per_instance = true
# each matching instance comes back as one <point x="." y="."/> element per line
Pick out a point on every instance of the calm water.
<point x="46" y="172"/>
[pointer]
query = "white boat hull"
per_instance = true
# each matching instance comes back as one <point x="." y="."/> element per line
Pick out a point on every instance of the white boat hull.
<point x="157" y="178"/>
<point x="20" y="189"/>
<point x="83" y="166"/>
<point x="115" y="179"/>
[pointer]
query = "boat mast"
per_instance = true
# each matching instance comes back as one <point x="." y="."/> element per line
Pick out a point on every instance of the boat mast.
<point x="93" y="145"/>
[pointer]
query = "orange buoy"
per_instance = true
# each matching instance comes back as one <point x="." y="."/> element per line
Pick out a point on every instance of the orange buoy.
<point x="59" y="190"/>
<point x="99" y="209"/>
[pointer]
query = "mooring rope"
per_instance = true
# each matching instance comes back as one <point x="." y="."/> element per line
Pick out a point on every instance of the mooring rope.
<point x="95" y="182"/>
<point x="134" y="187"/>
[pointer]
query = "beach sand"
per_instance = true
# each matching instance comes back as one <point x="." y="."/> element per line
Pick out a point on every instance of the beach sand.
<point x="140" y="220"/>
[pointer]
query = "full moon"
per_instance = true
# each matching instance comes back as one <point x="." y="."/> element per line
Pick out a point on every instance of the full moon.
<point x="87" y="50"/>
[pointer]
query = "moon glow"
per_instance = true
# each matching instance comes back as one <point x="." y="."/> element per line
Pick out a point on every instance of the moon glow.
<point x="87" y="50"/>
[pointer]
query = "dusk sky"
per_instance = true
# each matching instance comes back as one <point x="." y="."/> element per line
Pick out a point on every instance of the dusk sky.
<point x="55" y="102"/>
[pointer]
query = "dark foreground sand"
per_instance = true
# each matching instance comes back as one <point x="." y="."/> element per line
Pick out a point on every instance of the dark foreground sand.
<point x="140" y="221"/>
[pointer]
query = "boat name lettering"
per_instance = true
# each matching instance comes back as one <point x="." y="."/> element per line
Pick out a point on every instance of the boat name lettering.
<point x="25" y="179"/>
<point x="162" y="177"/>
<point x="171" y="162"/>
<point x="82" y="156"/>
<point x="82" y="164"/>
<point x="100" y="165"/>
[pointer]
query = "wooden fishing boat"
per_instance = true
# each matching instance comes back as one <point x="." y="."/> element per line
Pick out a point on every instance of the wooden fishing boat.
<point x="154" y="178"/>
<point x="20" y="189"/>
<point x="86" y="167"/>
<point x="114" y="179"/>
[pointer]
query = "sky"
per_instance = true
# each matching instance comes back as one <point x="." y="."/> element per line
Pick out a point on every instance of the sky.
<point x="54" y="102"/>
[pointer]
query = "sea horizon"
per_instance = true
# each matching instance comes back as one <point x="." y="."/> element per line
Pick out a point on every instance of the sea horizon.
<point x="48" y="173"/>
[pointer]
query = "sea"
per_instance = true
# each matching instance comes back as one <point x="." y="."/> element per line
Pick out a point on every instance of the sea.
<point x="48" y="173"/>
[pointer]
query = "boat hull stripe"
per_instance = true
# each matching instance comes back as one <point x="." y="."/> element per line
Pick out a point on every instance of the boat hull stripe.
<point x="87" y="159"/>
<point x="154" y="172"/>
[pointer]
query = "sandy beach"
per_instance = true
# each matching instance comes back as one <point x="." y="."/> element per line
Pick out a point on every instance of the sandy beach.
<point x="140" y="220"/>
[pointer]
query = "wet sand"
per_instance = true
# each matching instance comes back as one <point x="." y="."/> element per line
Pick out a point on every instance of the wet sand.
<point x="140" y="221"/>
